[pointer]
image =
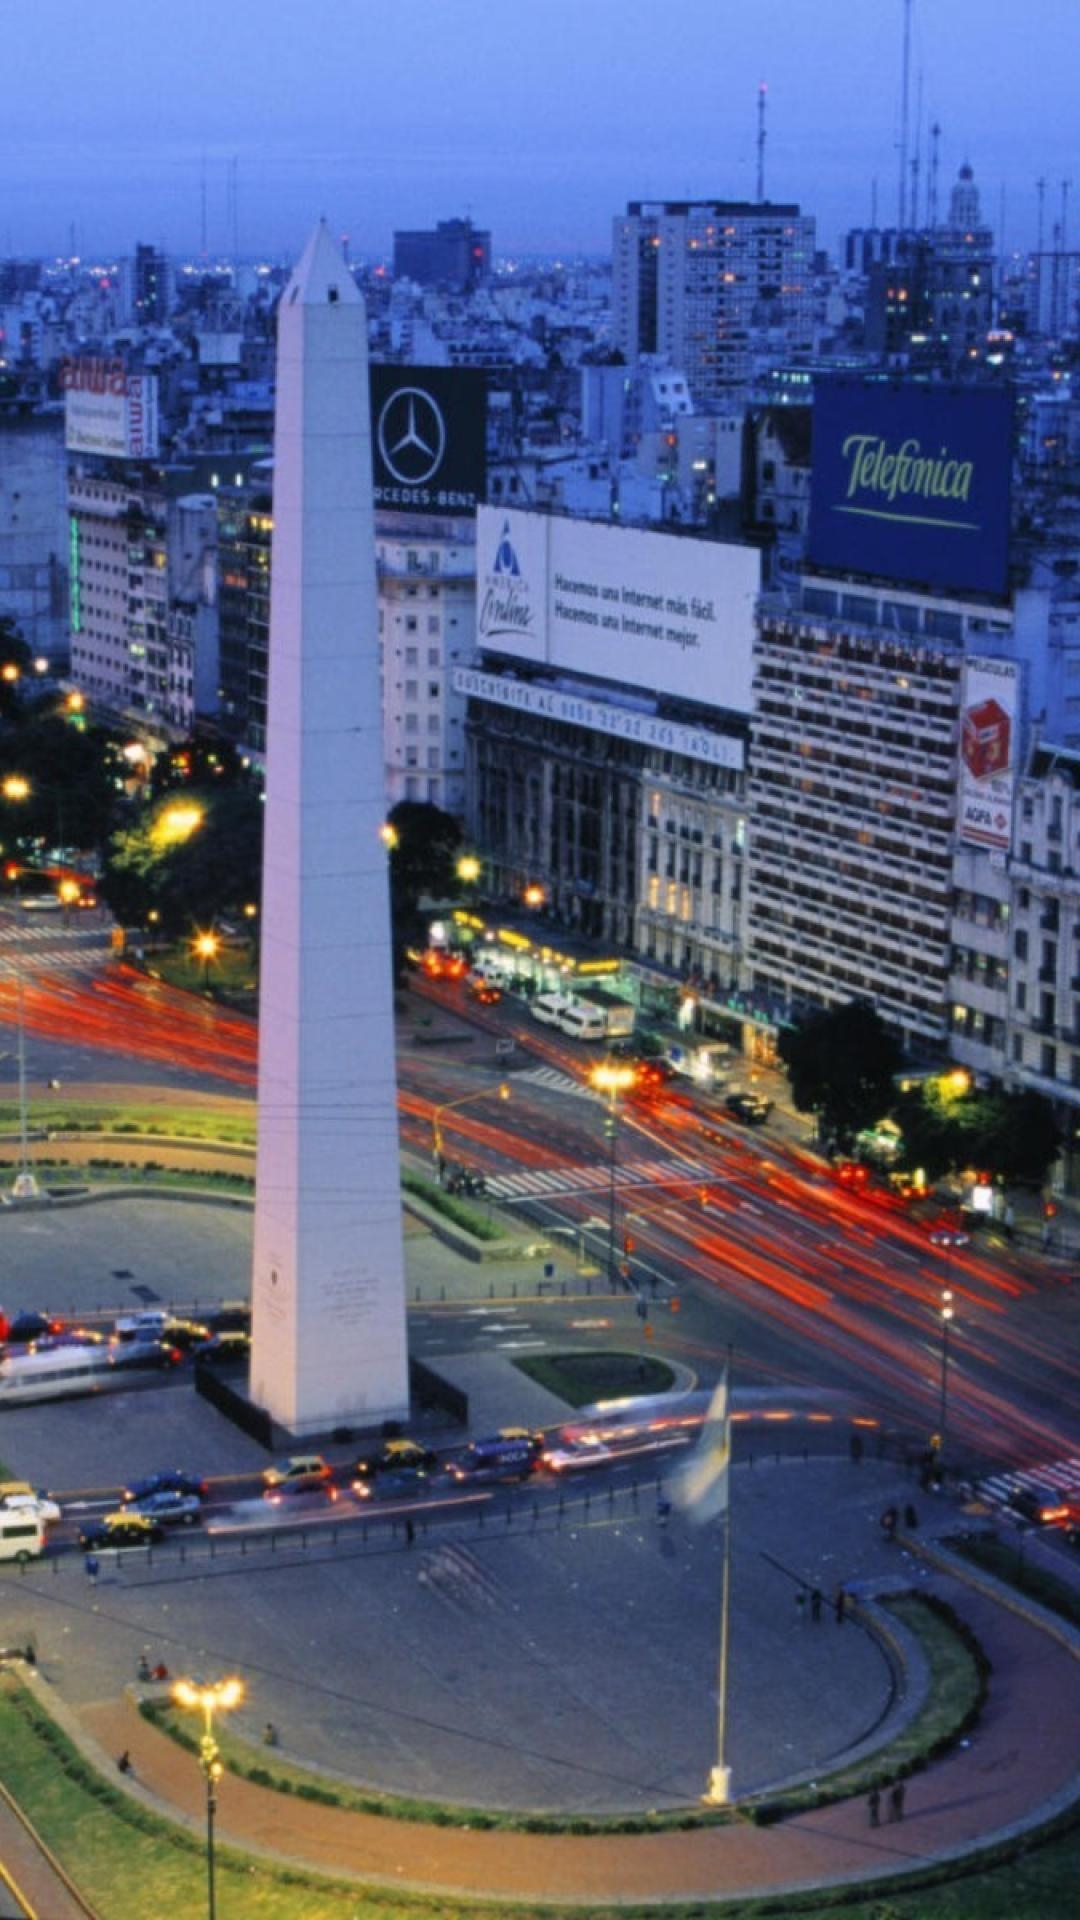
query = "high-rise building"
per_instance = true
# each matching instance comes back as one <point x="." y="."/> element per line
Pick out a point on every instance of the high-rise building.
<point x="427" y="627"/>
<point x="147" y="283"/>
<point x="453" y="254"/>
<point x="697" y="280"/>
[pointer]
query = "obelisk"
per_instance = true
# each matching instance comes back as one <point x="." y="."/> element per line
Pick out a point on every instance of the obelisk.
<point x="328" y="1284"/>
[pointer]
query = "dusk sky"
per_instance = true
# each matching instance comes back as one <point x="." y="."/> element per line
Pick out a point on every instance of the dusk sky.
<point x="540" y="117"/>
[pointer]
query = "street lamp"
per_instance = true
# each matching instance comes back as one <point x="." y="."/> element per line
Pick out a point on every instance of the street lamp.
<point x="482" y="1093"/>
<point x="217" y="1697"/>
<point x="534" y="895"/>
<point x="943" y="1410"/>
<point x="175" y="824"/>
<point x="205" y="947"/>
<point x="468" y="869"/>
<point x="611" y="1079"/>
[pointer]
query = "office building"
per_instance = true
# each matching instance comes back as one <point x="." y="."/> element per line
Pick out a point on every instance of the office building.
<point x="454" y="255"/>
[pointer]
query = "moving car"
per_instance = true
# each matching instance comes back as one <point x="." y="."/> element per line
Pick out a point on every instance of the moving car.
<point x="300" y="1490"/>
<point x="570" y="1456"/>
<point x="394" y="1456"/>
<point x="754" y="1108"/>
<point x="485" y="991"/>
<point x="168" y="1508"/>
<point x="1046" y="1506"/>
<point x="299" y="1470"/>
<point x="25" y="1327"/>
<point x="228" y="1319"/>
<point x="35" y="1505"/>
<point x="509" y="1455"/>
<point x="121" y="1529"/>
<point x="223" y="1349"/>
<point x="168" y="1480"/>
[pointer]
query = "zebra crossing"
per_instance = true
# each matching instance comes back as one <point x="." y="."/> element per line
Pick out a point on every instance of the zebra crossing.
<point x="551" y="1182"/>
<point x="1055" y="1476"/>
<point x="455" y="1576"/>
<point x="557" y="1081"/>
<point x="53" y="950"/>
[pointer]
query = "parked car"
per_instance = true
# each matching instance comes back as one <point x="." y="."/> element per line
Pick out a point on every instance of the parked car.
<point x="392" y="1456"/>
<point x="168" y="1480"/>
<point x="754" y="1108"/>
<point x="168" y="1508"/>
<point x="121" y="1529"/>
<point x="299" y="1470"/>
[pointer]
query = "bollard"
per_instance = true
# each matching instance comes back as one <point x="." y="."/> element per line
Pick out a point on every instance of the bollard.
<point x="480" y="1516"/>
<point x="634" y="1492"/>
<point x="611" y="1499"/>
<point x="536" y="1513"/>
<point x="588" y="1501"/>
<point x="418" y="1293"/>
<point x="560" y="1508"/>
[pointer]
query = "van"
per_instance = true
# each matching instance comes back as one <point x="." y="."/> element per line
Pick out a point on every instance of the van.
<point x="497" y="1457"/>
<point x="549" y="1008"/>
<point x="583" y="1023"/>
<point x="22" y="1536"/>
<point x="148" y="1325"/>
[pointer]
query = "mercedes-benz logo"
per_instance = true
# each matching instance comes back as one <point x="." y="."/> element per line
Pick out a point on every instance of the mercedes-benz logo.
<point x="412" y="436"/>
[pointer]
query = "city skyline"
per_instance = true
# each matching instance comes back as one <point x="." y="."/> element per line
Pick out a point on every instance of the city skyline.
<point x="241" y="127"/>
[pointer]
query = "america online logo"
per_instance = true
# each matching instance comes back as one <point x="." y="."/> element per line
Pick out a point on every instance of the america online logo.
<point x="894" y="475"/>
<point x="505" y="607"/>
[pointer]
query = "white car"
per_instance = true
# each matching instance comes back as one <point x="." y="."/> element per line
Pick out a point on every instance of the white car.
<point x="570" y="1456"/>
<point x="37" y="1505"/>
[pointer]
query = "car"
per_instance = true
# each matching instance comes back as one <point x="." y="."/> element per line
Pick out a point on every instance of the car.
<point x="465" y="1180"/>
<point x="754" y="1108"/>
<point x="168" y="1508"/>
<point x="485" y="991"/>
<point x="37" y="1505"/>
<point x="510" y="1454"/>
<point x="185" y="1334"/>
<point x="853" y="1175"/>
<point x="299" y="1470"/>
<point x="168" y="1480"/>
<point x="399" y="1483"/>
<point x="234" y="1319"/>
<point x="121" y="1529"/>
<point x="147" y="1354"/>
<point x="148" y="1325"/>
<point x="393" y="1456"/>
<point x="222" y="1349"/>
<point x="300" y="1490"/>
<point x="570" y="1456"/>
<point x="1045" y="1506"/>
<point x="26" y="1327"/>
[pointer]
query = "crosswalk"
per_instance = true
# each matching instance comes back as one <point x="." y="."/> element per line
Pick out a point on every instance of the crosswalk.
<point x="32" y="950"/>
<point x="558" y="1082"/>
<point x="551" y="1182"/>
<point x="1056" y="1476"/>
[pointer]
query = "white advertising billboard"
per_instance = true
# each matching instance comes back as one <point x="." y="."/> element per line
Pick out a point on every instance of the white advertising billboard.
<point x="643" y="609"/>
<point x="108" y="410"/>
<point x="988" y="752"/>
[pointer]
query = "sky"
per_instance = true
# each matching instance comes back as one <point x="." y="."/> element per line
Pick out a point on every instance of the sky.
<point x="540" y="118"/>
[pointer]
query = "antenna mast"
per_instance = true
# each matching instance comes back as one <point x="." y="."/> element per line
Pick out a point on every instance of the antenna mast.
<point x="761" y="92"/>
<point x="932" y="182"/>
<point x="905" y="115"/>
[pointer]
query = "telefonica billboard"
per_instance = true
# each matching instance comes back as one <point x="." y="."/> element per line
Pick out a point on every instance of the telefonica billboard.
<point x="651" y="610"/>
<point x="912" y="483"/>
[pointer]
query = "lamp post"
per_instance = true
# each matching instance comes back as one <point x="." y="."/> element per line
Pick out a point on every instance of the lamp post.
<point x="943" y="1409"/>
<point x="612" y="1079"/>
<point x="205" y="947"/>
<point x="219" y="1696"/>
<point x="449" y="1106"/>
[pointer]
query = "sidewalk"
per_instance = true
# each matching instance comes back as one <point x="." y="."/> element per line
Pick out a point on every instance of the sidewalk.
<point x="1018" y="1770"/>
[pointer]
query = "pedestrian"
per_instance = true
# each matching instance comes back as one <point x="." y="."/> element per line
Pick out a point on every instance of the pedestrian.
<point x="410" y="1533"/>
<point x="160" y="1672"/>
<point x="124" y="1762"/>
<point x="815" y="1605"/>
<point x="270" y="1735"/>
<point x="911" y="1517"/>
<point x="663" y="1509"/>
<point x="92" y="1568"/>
<point x="840" y="1603"/>
<point x="855" y="1448"/>
<point x="144" y="1668"/>
<point x="896" y="1801"/>
<point x="873" y="1807"/>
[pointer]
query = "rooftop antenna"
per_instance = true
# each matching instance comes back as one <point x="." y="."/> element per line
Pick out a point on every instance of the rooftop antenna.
<point x="932" y="179"/>
<point x="905" y="115"/>
<point x="1040" y="188"/>
<point x="1065" y="185"/>
<point x="873" y="202"/>
<point x="234" y="170"/>
<point x="202" y="207"/>
<point x="761" y="92"/>
<point x="916" y="158"/>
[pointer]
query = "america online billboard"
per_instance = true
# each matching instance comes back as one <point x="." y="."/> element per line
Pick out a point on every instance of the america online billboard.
<point x="912" y="483"/>
<point x="647" y="610"/>
<point x="988" y="752"/>
<point x="108" y="410"/>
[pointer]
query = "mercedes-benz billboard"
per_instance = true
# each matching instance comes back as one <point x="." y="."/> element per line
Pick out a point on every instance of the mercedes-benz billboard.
<point x="429" y="438"/>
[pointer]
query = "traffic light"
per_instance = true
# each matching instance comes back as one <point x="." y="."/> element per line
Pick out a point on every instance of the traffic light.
<point x="629" y="1244"/>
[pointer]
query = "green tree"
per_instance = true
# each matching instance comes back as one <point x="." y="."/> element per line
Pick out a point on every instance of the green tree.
<point x="424" y="847"/>
<point x="191" y="857"/>
<point x="842" y="1064"/>
<point x="73" y="777"/>
<point x="1011" y="1135"/>
<point x="15" y="662"/>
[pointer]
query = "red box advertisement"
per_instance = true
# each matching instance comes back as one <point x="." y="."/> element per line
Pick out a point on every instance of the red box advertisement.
<point x="986" y="739"/>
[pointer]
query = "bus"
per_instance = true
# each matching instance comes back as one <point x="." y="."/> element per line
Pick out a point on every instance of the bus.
<point x="59" y="1374"/>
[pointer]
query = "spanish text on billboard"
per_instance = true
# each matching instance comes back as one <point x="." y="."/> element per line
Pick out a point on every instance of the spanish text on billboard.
<point x="912" y="483"/>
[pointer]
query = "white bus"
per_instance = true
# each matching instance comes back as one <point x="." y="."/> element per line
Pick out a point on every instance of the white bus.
<point x="58" y="1374"/>
<point x="22" y="1536"/>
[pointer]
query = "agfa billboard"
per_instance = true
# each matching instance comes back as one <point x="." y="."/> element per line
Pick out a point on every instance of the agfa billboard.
<point x="912" y="483"/>
<point x="642" y="609"/>
<point x="429" y="439"/>
<point x="108" y="410"/>
<point x="988" y="752"/>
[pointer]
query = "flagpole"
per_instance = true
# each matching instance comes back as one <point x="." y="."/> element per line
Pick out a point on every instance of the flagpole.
<point x="718" y="1792"/>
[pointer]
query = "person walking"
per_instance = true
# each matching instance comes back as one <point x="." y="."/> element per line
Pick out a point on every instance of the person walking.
<point x="815" y="1605"/>
<point x="410" y="1533"/>
<point x="896" y="1801"/>
<point x="841" y="1605"/>
<point x="873" y="1807"/>
<point x="93" y="1568"/>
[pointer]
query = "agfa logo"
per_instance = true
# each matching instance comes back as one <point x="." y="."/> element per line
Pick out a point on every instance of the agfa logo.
<point x="505" y="607"/>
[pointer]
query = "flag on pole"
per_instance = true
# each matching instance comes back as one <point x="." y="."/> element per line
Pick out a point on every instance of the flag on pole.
<point x="699" y="1485"/>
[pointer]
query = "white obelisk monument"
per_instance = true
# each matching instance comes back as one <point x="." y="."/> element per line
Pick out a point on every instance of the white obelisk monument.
<point x="328" y="1288"/>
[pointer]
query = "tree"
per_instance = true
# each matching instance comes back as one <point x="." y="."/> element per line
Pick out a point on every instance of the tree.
<point x="15" y="662"/>
<point x="1011" y="1135"/>
<point x="842" y="1064"/>
<point x="73" y="780"/>
<point x="188" y="859"/>
<point x="424" y="845"/>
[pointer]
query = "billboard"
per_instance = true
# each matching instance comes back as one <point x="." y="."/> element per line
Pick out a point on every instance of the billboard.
<point x="651" y="610"/>
<point x="988" y="752"/>
<point x="428" y="439"/>
<point x="912" y="483"/>
<point x="108" y="410"/>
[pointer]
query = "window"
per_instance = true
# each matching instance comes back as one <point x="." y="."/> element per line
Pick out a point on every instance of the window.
<point x="1020" y="943"/>
<point x="410" y="657"/>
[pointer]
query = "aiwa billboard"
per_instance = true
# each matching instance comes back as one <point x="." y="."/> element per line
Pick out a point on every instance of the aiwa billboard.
<point x="912" y="483"/>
